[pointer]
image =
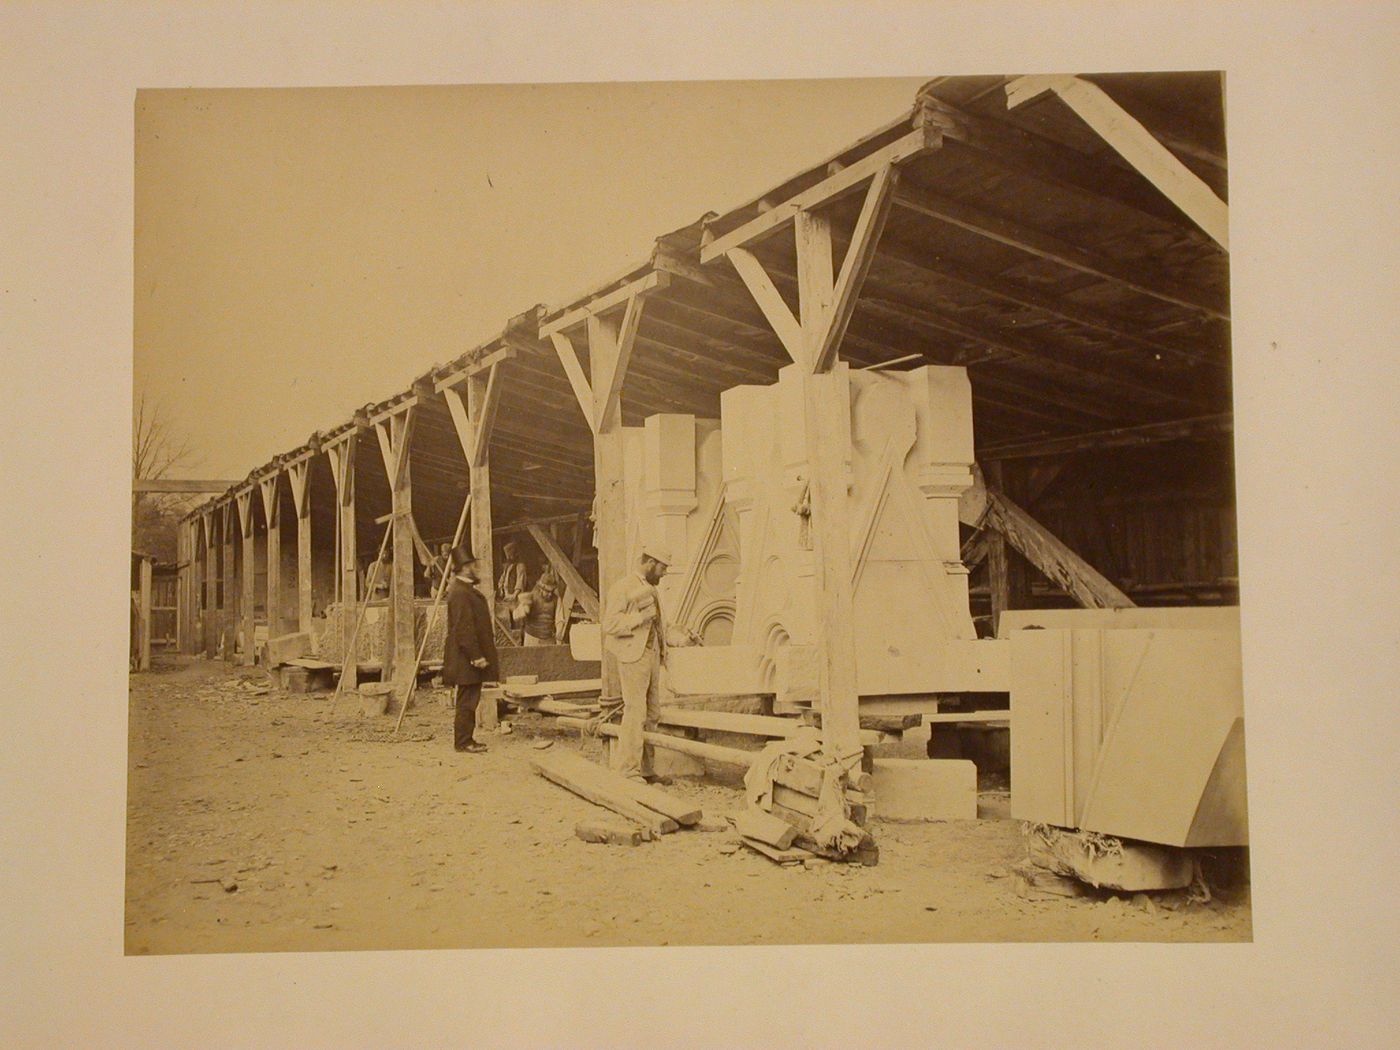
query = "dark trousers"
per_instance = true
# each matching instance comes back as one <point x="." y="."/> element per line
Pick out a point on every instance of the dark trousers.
<point x="464" y="725"/>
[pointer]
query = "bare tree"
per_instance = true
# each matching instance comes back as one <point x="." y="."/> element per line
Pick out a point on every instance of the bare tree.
<point x="156" y="449"/>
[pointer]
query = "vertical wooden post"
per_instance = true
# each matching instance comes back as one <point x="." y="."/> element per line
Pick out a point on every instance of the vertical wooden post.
<point x="825" y="396"/>
<point x="248" y="578"/>
<point x="342" y="456"/>
<point x="181" y="585"/>
<point x="479" y="469"/>
<point x="473" y="417"/>
<point x="211" y="575"/>
<point x="401" y="650"/>
<point x="143" y="617"/>
<point x="1007" y="579"/>
<point x="609" y="511"/>
<point x="271" y="499"/>
<point x="229" y="607"/>
<point x="298" y="475"/>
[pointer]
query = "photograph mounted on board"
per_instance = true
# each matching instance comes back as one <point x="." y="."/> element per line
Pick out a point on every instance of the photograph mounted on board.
<point x="593" y="561"/>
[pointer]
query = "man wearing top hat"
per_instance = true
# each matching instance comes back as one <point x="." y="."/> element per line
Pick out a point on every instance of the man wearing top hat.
<point x="469" y="648"/>
<point x="634" y="635"/>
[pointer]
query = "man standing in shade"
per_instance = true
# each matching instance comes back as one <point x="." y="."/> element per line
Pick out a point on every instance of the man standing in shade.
<point x="469" y="648"/>
<point x="634" y="634"/>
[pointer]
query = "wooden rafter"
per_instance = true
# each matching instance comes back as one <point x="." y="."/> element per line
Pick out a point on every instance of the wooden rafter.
<point x="489" y="361"/>
<point x="474" y="430"/>
<point x="1135" y="144"/>
<point x="1024" y="152"/>
<point x="602" y="304"/>
<point x="583" y="392"/>
<point x="1043" y="245"/>
<point x="1119" y="437"/>
<point x="826" y="303"/>
<point x="859" y="255"/>
<point x="833" y="187"/>
<point x="770" y="301"/>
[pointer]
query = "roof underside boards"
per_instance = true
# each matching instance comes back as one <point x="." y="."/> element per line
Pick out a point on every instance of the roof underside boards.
<point x="1023" y="247"/>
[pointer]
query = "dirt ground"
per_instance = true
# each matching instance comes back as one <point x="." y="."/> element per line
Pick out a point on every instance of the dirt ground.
<point x="272" y="823"/>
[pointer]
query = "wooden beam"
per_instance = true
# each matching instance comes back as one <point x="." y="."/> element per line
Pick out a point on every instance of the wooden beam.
<point x="725" y="756"/>
<point x="650" y="282"/>
<point x="816" y="278"/>
<point x="401" y="650"/>
<point x="765" y="293"/>
<point x="143" y="616"/>
<point x="461" y="422"/>
<point x="247" y="577"/>
<point x="484" y="418"/>
<point x="1119" y="437"/>
<point x="296" y="481"/>
<point x="398" y="408"/>
<point x="1007" y="580"/>
<point x="598" y="786"/>
<point x="1135" y="144"/>
<point x="845" y="181"/>
<point x="1051" y="556"/>
<point x="486" y="363"/>
<point x="479" y="392"/>
<point x="616" y="342"/>
<point x="172" y="485"/>
<point x="586" y="595"/>
<point x="301" y="500"/>
<point x="859" y="255"/>
<point x="824" y="397"/>
<point x="271" y="500"/>
<point x="1048" y="246"/>
<point x="583" y="392"/>
<point x="227" y="577"/>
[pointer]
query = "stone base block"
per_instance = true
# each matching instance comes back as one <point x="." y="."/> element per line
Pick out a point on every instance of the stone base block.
<point x="914" y="789"/>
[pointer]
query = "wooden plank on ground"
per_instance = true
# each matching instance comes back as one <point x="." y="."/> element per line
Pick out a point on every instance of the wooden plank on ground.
<point x="729" y="756"/>
<point x="765" y="827"/>
<point x="785" y="857"/>
<point x="678" y="809"/>
<point x="773" y="726"/>
<point x="563" y="687"/>
<point x="593" y="783"/>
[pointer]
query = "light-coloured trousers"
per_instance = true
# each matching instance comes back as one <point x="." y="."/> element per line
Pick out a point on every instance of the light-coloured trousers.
<point x="641" y="710"/>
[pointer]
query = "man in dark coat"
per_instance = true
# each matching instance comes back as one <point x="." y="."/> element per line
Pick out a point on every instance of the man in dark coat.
<point x="469" y="648"/>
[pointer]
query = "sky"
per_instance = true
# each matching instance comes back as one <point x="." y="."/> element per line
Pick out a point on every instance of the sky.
<point x="303" y="252"/>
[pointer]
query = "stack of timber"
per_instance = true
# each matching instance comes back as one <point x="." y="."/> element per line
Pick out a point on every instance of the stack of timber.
<point x="795" y="802"/>
<point x="653" y="809"/>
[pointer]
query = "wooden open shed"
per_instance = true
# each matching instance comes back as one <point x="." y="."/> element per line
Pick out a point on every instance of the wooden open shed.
<point x="1063" y="239"/>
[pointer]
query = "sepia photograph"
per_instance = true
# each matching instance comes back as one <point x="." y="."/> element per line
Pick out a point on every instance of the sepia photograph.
<point x="856" y="563"/>
<point x="622" y="524"/>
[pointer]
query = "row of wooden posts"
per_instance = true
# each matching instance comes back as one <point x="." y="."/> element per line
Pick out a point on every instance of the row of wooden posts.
<point x="212" y="540"/>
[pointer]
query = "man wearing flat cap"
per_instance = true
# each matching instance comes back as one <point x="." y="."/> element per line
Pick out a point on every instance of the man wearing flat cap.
<point x="634" y="634"/>
<point x="469" y="648"/>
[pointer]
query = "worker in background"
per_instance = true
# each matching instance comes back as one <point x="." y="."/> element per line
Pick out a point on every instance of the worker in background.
<point x="634" y="634"/>
<point x="469" y="647"/>
<point x="510" y="584"/>
<point x="540" y="606"/>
